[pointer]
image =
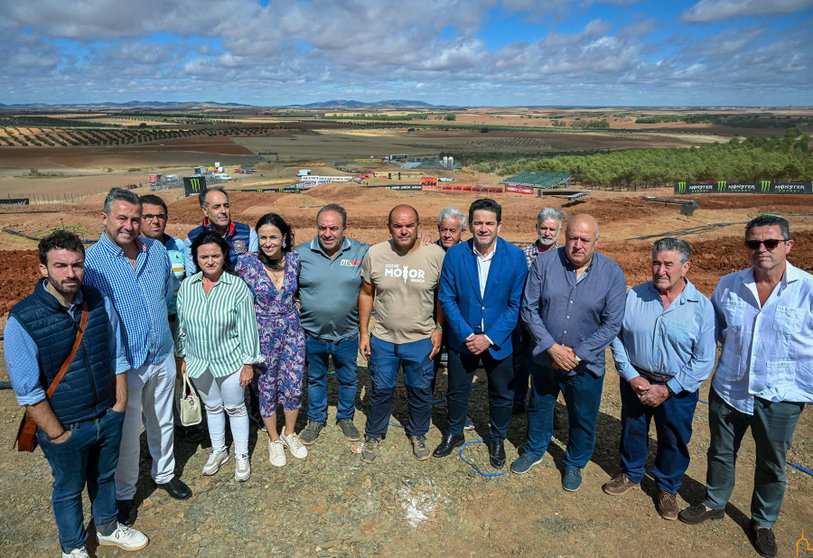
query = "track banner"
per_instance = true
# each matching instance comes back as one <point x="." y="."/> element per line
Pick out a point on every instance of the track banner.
<point x="725" y="187"/>
<point x="527" y="190"/>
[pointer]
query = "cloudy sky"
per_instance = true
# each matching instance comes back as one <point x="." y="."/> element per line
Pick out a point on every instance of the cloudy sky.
<point x="454" y="52"/>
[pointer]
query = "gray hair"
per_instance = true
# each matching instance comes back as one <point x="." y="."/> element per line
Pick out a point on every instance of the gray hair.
<point x="333" y="207"/>
<point x="769" y="221"/>
<point x="673" y="244"/>
<point x="452" y="213"/>
<point x="549" y="213"/>
<point x="202" y="196"/>
<point x="120" y="194"/>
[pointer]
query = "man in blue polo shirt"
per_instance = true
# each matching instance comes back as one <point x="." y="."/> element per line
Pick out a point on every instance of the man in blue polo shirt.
<point x="329" y="283"/>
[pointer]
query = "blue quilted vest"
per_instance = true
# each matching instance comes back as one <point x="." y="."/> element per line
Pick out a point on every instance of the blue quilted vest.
<point x="237" y="237"/>
<point x="88" y="388"/>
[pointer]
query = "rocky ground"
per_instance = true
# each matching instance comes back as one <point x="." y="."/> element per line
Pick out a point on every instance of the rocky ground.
<point x="332" y="504"/>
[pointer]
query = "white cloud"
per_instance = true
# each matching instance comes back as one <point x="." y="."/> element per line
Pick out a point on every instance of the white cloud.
<point x="709" y="11"/>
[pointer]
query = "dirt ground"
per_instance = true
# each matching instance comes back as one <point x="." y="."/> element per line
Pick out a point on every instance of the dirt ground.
<point x="331" y="504"/>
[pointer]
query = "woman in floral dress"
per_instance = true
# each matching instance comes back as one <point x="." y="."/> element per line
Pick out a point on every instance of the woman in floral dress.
<point x="271" y="275"/>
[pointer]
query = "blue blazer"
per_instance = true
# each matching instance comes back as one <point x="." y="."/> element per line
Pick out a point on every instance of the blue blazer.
<point x="498" y="310"/>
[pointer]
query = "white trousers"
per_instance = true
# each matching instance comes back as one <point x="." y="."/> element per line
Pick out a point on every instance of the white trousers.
<point x="217" y="394"/>
<point x="150" y="397"/>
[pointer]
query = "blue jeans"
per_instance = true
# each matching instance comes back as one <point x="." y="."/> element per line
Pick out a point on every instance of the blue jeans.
<point x="673" y="424"/>
<point x="772" y="426"/>
<point x="385" y="360"/>
<point x="500" y="391"/>
<point x="582" y="395"/>
<point x="89" y="456"/>
<point x="344" y="354"/>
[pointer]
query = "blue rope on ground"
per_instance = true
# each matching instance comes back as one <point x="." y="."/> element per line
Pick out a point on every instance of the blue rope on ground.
<point x="794" y="465"/>
<point x="472" y="465"/>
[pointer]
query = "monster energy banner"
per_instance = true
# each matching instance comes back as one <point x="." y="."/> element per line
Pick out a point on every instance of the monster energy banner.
<point x="193" y="185"/>
<point x="761" y="187"/>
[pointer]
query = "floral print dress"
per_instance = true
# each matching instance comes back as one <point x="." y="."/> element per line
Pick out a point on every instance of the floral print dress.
<point x="282" y="339"/>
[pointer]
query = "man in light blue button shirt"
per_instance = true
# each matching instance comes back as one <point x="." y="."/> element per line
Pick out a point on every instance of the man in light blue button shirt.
<point x="764" y="376"/>
<point x="134" y="273"/>
<point x="665" y="350"/>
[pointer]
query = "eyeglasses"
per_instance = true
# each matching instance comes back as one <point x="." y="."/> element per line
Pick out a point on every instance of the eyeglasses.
<point x="770" y="243"/>
<point x="150" y="216"/>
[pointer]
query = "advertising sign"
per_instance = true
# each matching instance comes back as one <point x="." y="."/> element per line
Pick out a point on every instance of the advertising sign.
<point x="429" y="183"/>
<point x="193" y="185"/>
<point x="527" y="190"/>
<point x="725" y="187"/>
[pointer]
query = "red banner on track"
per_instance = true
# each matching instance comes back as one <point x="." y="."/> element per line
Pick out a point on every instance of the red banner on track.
<point x="527" y="190"/>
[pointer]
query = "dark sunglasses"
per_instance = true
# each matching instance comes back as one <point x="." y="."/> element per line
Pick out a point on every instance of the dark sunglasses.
<point x="769" y="243"/>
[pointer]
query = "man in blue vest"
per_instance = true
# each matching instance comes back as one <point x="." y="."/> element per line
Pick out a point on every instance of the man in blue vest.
<point x="217" y="217"/>
<point x="79" y="425"/>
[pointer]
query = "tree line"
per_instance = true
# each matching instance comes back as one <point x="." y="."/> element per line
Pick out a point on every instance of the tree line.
<point x="756" y="158"/>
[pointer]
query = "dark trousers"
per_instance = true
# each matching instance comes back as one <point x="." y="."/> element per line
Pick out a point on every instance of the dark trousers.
<point x="772" y="426"/>
<point x="500" y="391"/>
<point x="385" y="360"/>
<point x="673" y="424"/>
<point x="89" y="457"/>
<point x="582" y="395"/>
<point x="521" y="341"/>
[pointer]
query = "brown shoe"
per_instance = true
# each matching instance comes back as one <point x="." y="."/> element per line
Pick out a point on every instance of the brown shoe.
<point x="618" y="485"/>
<point x="667" y="506"/>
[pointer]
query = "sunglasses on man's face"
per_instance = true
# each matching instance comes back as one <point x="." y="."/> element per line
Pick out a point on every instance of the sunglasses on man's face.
<point x="769" y="243"/>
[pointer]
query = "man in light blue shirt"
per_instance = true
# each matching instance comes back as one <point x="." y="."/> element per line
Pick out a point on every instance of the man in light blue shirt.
<point x="764" y="376"/>
<point x="665" y="350"/>
<point x="329" y="283"/>
<point x="135" y="274"/>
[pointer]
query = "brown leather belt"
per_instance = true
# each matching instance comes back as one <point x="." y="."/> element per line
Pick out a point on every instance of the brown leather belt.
<point x="650" y="376"/>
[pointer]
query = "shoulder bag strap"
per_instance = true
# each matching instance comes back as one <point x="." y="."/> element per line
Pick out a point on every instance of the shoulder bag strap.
<point x="77" y="341"/>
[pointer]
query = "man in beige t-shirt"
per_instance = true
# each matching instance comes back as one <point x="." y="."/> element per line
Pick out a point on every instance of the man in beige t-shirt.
<point x="399" y="281"/>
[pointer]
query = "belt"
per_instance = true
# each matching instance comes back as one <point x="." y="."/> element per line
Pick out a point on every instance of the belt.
<point x="651" y="375"/>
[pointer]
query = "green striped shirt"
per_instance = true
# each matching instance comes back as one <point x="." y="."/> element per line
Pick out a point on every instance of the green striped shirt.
<point x="217" y="332"/>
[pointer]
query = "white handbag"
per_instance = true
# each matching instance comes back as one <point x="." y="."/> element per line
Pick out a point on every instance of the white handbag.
<point x="187" y="402"/>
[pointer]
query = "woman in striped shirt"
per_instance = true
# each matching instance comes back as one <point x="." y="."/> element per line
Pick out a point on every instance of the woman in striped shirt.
<point x="218" y="339"/>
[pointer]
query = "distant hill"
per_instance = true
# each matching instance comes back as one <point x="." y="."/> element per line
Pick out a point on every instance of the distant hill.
<point x="349" y="104"/>
<point x="130" y="104"/>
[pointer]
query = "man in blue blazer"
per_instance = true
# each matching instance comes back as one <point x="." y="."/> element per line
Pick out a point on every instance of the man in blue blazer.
<point x="480" y="293"/>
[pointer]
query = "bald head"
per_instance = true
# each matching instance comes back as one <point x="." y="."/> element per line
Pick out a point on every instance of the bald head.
<point x="398" y="209"/>
<point x="581" y="236"/>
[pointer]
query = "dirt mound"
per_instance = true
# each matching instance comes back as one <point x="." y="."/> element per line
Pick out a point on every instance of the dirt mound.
<point x="22" y="271"/>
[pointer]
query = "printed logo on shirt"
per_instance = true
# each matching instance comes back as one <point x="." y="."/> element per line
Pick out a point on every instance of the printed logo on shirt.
<point x="404" y="271"/>
<point x="240" y="246"/>
<point x="349" y="263"/>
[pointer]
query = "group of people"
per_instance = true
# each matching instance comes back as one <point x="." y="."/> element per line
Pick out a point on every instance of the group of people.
<point x="231" y="307"/>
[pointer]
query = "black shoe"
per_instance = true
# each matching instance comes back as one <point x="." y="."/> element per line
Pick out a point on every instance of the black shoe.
<point x="176" y="488"/>
<point x="763" y="540"/>
<point x="449" y="443"/>
<point x="696" y="515"/>
<point x="126" y="512"/>
<point x="496" y="454"/>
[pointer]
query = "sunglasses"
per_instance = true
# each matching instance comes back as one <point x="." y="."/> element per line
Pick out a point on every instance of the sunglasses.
<point x="769" y="243"/>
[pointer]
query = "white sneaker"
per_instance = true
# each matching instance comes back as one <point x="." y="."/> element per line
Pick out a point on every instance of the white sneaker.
<point x="76" y="553"/>
<point x="276" y="453"/>
<point x="294" y="444"/>
<point x="216" y="459"/>
<point x="125" y="538"/>
<point x="242" y="470"/>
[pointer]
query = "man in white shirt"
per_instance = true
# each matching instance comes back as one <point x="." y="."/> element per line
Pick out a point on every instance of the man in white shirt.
<point x="763" y="378"/>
